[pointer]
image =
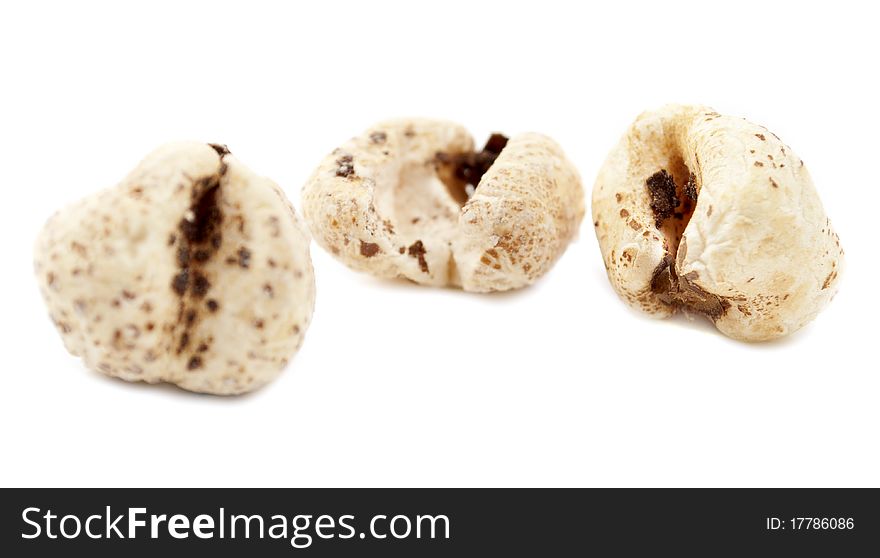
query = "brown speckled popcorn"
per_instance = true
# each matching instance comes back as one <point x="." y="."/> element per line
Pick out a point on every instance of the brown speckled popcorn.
<point x="412" y="198"/>
<point x="193" y="271"/>
<point x="712" y="214"/>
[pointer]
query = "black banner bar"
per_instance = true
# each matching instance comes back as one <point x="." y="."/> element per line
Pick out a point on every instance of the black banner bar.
<point x="440" y="522"/>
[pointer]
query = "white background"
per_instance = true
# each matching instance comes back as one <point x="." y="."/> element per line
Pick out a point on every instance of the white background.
<point x="559" y="384"/>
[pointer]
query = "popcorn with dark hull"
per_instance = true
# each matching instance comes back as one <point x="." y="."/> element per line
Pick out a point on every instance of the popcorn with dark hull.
<point x="413" y="198"/>
<point x="714" y="215"/>
<point x="193" y="271"/>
